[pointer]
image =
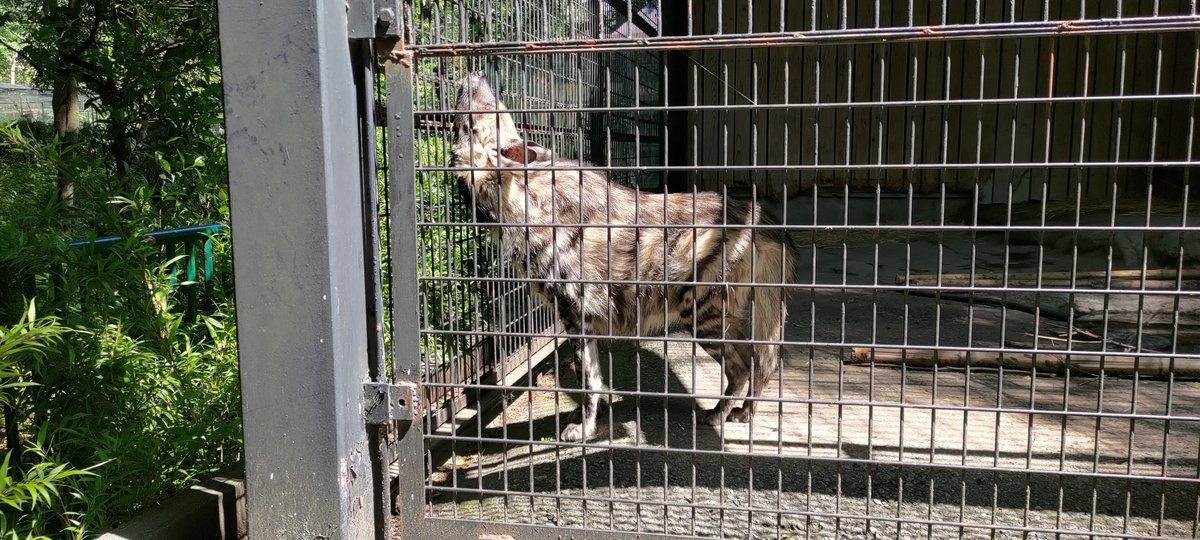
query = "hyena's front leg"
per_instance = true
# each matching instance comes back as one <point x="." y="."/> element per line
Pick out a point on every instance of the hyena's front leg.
<point x="734" y="358"/>
<point x="590" y="381"/>
<point x="736" y="376"/>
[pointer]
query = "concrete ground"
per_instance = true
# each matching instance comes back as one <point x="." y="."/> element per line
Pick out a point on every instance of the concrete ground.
<point x="845" y="450"/>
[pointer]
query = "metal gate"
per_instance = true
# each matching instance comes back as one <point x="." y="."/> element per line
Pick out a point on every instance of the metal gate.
<point x="992" y="323"/>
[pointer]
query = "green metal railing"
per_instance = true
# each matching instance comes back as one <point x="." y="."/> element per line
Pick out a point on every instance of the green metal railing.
<point x="196" y="265"/>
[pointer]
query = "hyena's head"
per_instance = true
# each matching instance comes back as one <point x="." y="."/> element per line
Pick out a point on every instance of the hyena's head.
<point x="487" y="146"/>
<point x="484" y="127"/>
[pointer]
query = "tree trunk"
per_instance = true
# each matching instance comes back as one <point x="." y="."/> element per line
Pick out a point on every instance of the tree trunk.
<point x="121" y="148"/>
<point x="12" y="435"/>
<point x="66" y="126"/>
<point x="12" y="69"/>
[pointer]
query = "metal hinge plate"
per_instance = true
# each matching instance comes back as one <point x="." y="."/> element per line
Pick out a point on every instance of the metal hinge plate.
<point x="384" y="402"/>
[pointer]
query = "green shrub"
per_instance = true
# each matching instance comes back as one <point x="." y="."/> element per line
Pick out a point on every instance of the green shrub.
<point x="129" y="391"/>
<point x="33" y="484"/>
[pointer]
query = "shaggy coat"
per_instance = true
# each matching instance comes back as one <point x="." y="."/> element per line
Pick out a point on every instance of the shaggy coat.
<point x="616" y="261"/>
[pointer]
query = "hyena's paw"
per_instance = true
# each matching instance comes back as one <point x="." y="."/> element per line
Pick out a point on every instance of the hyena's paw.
<point x="740" y="415"/>
<point x="576" y="433"/>
<point x="576" y="416"/>
<point x="710" y="417"/>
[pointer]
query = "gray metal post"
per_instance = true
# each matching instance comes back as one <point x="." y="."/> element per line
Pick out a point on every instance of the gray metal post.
<point x="294" y="169"/>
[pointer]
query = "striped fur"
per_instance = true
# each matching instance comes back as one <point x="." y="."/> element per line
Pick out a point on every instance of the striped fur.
<point x="612" y="235"/>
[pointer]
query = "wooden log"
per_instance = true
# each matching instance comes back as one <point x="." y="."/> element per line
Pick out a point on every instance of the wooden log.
<point x="1059" y="310"/>
<point x="1093" y="363"/>
<point x="1134" y="309"/>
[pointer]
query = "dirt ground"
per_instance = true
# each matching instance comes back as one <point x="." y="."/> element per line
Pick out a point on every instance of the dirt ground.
<point x="845" y="450"/>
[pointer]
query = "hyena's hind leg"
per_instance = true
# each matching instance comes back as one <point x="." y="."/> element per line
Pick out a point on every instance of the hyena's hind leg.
<point x="588" y="372"/>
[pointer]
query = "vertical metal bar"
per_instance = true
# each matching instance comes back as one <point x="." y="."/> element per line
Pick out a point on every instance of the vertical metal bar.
<point x="191" y="252"/>
<point x="363" y="65"/>
<point x="406" y="348"/>
<point x="293" y="146"/>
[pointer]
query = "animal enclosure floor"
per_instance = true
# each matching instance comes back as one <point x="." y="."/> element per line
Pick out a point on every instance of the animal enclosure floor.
<point x="837" y="441"/>
<point x="655" y="471"/>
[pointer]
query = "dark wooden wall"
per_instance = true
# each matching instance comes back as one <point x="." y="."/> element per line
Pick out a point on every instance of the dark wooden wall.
<point x="1064" y="66"/>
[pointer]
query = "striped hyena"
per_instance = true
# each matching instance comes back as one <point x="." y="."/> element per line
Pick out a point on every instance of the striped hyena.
<point x="599" y="253"/>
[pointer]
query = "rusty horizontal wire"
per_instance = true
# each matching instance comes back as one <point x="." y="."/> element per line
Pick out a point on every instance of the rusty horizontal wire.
<point x="854" y="36"/>
<point x="1133" y="98"/>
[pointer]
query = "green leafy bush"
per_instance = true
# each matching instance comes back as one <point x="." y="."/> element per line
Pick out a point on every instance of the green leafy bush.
<point x="34" y="486"/>
<point x="129" y="400"/>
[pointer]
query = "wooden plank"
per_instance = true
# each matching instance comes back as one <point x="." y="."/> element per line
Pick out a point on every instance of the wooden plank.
<point x="809" y="93"/>
<point x="472" y="409"/>
<point x="933" y="79"/>
<point x="740" y="91"/>
<point x="956" y="13"/>
<point x="996" y="67"/>
<point x="915" y="119"/>
<point x="1065" y="115"/>
<point x="763" y="93"/>
<point x="794" y="19"/>
<point x="936" y="123"/>
<point x="898" y="85"/>
<point x="1090" y="186"/>
<point x="1050" y="285"/>
<point x="1179" y="76"/>
<point x="773" y="146"/>
<point x="861" y="128"/>
<point x="1101" y="120"/>
<point x="708" y="153"/>
<point x="1025" y="116"/>
<point x="971" y="122"/>
<point x="677" y="125"/>
<point x="722" y="153"/>
<point x="841" y="138"/>
<point x="1043" y="121"/>
<point x="998" y="137"/>
<point x="878" y="92"/>
<point x="827" y="92"/>
<point x="1137" y="117"/>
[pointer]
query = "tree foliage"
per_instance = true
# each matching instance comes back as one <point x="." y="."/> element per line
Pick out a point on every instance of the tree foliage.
<point x="150" y="66"/>
<point x="132" y="391"/>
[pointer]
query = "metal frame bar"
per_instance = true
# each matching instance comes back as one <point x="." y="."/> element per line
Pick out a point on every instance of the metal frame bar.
<point x="1008" y="30"/>
<point x="293" y="143"/>
<point x="406" y="316"/>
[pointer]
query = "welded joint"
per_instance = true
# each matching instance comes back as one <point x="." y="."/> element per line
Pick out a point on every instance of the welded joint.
<point x="386" y="402"/>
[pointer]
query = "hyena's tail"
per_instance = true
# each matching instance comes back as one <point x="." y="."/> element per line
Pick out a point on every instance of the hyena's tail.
<point x="774" y="264"/>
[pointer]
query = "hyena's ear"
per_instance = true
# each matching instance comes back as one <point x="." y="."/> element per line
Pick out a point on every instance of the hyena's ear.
<point x="524" y="153"/>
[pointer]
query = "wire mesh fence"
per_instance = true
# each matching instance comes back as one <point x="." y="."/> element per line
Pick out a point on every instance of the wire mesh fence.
<point x="979" y="219"/>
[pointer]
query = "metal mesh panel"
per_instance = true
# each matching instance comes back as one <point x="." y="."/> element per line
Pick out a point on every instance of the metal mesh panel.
<point x="992" y="327"/>
<point x="458" y="309"/>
